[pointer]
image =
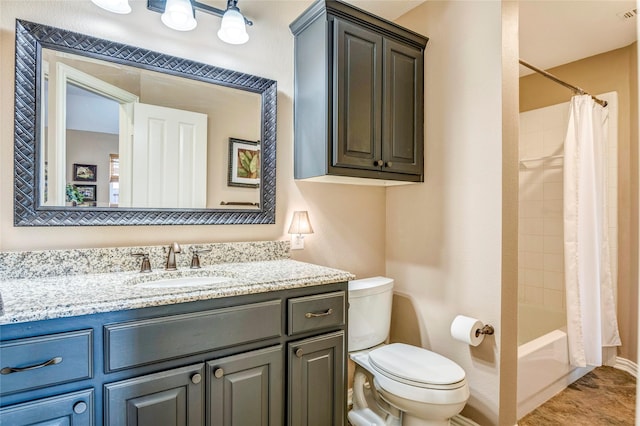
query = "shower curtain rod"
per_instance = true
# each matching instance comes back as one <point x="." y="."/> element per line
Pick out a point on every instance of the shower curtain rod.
<point x="550" y="76"/>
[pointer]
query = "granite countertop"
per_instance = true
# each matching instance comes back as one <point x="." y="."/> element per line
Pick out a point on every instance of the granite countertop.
<point x="42" y="298"/>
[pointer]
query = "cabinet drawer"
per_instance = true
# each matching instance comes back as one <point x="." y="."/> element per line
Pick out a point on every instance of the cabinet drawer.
<point x="69" y="409"/>
<point x="316" y="312"/>
<point x="147" y="341"/>
<point x="42" y="361"/>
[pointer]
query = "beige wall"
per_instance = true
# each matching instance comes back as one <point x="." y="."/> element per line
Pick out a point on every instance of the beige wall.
<point x="611" y="71"/>
<point x="444" y="237"/>
<point x="349" y="221"/>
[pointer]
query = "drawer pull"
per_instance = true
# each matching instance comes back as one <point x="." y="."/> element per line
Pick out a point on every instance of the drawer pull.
<point x="299" y="352"/>
<point x="80" y="407"/>
<point x="52" y="361"/>
<point x="196" y="378"/>
<point x="219" y="372"/>
<point x="319" y="314"/>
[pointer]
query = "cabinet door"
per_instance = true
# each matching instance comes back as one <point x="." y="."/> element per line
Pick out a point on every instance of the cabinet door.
<point x="169" y="398"/>
<point x="403" y="125"/>
<point x="357" y="96"/>
<point x="246" y="389"/>
<point x="70" y="409"/>
<point x="316" y="381"/>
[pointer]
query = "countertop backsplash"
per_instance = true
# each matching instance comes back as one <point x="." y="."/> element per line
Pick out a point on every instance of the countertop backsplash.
<point x="50" y="263"/>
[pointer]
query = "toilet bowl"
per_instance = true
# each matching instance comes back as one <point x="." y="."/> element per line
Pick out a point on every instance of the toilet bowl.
<point x="396" y="384"/>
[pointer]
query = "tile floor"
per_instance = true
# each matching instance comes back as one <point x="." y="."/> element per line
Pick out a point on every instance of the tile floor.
<point x="605" y="396"/>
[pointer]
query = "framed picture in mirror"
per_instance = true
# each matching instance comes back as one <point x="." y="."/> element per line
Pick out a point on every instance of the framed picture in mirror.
<point x="244" y="163"/>
<point x="87" y="191"/>
<point x="84" y="172"/>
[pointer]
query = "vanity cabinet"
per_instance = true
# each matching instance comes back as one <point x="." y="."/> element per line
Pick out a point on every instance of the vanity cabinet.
<point x="359" y="97"/>
<point x="235" y="361"/>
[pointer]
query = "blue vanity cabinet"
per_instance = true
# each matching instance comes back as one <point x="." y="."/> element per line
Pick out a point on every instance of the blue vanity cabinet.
<point x="76" y="408"/>
<point x="169" y="398"/>
<point x="214" y="362"/>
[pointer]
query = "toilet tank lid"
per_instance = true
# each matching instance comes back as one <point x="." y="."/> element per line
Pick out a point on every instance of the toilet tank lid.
<point x="366" y="286"/>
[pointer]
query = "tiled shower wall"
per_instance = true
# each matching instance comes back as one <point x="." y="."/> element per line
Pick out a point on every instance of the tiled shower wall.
<point x="541" y="247"/>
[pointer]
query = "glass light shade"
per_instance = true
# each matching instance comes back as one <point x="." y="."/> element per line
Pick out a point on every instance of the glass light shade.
<point x="300" y="223"/>
<point x="178" y="15"/>
<point x="232" y="29"/>
<point x="115" y="6"/>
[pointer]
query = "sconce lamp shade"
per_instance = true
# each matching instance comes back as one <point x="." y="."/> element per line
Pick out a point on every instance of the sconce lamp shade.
<point x="300" y="223"/>
<point x="115" y="6"/>
<point x="178" y="15"/>
<point x="232" y="28"/>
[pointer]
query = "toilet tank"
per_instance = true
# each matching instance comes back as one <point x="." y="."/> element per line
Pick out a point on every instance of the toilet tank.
<point x="369" y="312"/>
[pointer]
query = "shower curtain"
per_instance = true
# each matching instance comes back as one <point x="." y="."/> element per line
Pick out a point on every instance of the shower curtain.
<point x="591" y="312"/>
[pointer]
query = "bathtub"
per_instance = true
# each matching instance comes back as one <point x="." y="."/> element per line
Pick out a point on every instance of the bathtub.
<point x="543" y="363"/>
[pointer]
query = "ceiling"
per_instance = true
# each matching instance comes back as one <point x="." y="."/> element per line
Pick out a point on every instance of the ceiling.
<point x="552" y="32"/>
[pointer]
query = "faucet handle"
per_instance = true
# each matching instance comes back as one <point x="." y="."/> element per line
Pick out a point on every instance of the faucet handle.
<point x="195" y="260"/>
<point x="145" y="265"/>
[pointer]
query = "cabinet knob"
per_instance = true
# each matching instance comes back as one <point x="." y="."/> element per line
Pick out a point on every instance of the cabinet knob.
<point x="299" y="352"/>
<point x="219" y="372"/>
<point x="389" y="164"/>
<point x="196" y="378"/>
<point x="80" y="407"/>
<point x="378" y="163"/>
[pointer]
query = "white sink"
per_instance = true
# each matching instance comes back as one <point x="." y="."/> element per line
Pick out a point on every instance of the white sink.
<point x="185" y="282"/>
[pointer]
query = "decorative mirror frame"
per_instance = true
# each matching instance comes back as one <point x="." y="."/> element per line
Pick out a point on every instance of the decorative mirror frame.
<point x="30" y="39"/>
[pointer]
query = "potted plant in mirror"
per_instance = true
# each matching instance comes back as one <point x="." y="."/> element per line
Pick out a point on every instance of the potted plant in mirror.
<point x="74" y="196"/>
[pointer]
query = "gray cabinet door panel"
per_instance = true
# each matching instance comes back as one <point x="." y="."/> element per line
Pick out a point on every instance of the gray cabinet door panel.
<point x="403" y="125"/>
<point x="69" y="409"/>
<point x="168" y="398"/>
<point x="358" y="96"/>
<point x="246" y="389"/>
<point x="316" y="381"/>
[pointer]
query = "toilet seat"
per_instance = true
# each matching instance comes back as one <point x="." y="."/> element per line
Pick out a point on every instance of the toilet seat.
<point x="416" y="366"/>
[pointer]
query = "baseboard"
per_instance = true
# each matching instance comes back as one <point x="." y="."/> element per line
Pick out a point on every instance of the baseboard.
<point x="459" y="420"/>
<point x="626" y="365"/>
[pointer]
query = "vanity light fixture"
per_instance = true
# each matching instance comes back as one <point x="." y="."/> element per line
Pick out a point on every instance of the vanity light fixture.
<point x="115" y="6"/>
<point x="300" y="226"/>
<point x="180" y="15"/>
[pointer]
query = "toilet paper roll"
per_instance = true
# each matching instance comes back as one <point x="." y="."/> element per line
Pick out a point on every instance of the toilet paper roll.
<point x="464" y="329"/>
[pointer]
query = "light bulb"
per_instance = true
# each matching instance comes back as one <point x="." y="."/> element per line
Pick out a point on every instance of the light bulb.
<point x="232" y="28"/>
<point x="115" y="6"/>
<point x="178" y="15"/>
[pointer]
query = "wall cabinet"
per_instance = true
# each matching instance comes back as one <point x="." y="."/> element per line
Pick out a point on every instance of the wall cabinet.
<point x="359" y="96"/>
<point x="215" y="362"/>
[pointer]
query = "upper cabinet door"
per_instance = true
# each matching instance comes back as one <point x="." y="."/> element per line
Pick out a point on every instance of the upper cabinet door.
<point x="357" y="96"/>
<point x="403" y="122"/>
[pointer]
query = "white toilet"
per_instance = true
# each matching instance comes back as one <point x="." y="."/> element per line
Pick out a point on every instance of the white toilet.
<point x="411" y="386"/>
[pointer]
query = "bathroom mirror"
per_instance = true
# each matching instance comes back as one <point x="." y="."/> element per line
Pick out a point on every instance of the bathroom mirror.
<point x="111" y="134"/>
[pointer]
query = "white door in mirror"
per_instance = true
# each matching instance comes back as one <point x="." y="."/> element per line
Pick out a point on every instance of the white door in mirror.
<point x="165" y="164"/>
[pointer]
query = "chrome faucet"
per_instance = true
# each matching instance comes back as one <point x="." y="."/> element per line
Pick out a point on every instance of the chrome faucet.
<point x="171" y="257"/>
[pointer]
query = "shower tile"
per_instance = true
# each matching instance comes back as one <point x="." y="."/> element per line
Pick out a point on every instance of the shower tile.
<point x="531" y="144"/>
<point x="553" y="226"/>
<point x="531" y="226"/>
<point x="552" y="174"/>
<point x="521" y="276"/>
<point x="553" y="141"/>
<point x="533" y="192"/>
<point x="532" y="243"/>
<point x="521" y="293"/>
<point x="553" y="190"/>
<point x="531" y="260"/>
<point x="534" y="295"/>
<point x="552" y="208"/>
<point x="553" y="299"/>
<point x="553" y="280"/>
<point x="553" y="244"/>
<point x="530" y="208"/>
<point x="534" y="277"/>
<point x="553" y="262"/>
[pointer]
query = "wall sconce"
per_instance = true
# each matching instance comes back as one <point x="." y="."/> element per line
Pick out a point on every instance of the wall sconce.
<point x="180" y="15"/>
<point x="300" y="226"/>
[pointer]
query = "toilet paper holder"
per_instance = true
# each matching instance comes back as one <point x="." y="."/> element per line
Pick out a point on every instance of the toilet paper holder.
<point x="486" y="330"/>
